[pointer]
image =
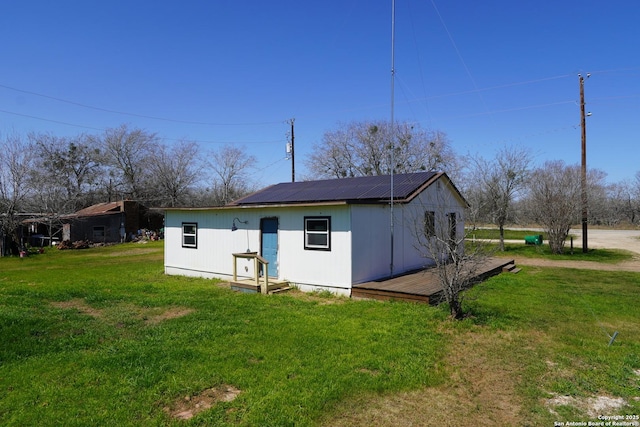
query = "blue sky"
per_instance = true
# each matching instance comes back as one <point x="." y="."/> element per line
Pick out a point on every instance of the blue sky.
<point x="489" y="74"/>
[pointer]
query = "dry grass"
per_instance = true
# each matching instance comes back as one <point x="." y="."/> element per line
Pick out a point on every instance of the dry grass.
<point x="189" y="406"/>
<point x="80" y="306"/>
<point x="592" y="406"/>
<point x="149" y="315"/>
<point x="481" y="391"/>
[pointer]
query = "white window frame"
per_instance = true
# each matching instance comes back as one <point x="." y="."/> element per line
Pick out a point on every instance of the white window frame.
<point x="190" y="231"/>
<point x="308" y="233"/>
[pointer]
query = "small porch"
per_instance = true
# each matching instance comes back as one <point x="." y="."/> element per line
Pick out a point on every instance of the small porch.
<point x="422" y="285"/>
<point x="260" y="282"/>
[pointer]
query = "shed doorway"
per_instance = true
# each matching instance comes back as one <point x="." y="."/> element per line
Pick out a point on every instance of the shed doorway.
<point x="269" y="243"/>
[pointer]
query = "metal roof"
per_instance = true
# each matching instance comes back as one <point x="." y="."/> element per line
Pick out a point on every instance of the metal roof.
<point x="366" y="189"/>
<point x="101" y="209"/>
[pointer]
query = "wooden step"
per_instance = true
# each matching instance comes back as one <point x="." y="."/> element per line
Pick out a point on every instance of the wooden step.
<point x="508" y="267"/>
<point x="511" y="268"/>
<point x="280" y="290"/>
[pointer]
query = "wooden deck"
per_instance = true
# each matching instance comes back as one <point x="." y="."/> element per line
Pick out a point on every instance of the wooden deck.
<point x="421" y="286"/>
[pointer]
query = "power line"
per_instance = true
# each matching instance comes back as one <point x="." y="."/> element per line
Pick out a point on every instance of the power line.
<point x="168" y="139"/>
<point x="506" y="110"/>
<point x="106" y="110"/>
<point x="369" y="107"/>
<point x="49" y="120"/>
<point x="455" y="47"/>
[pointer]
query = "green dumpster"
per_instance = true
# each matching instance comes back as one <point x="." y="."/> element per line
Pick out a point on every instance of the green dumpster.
<point x="533" y="240"/>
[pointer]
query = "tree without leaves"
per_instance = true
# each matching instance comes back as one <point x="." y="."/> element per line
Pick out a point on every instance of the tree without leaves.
<point x="623" y="205"/>
<point x="636" y="191"/>
<point x="554" y="200"/>
<point x="634" y="196"/>
<point x="16" y="160"/>
<point x="439" y="236"/>
<point x="363" y="149"/>
<point x="601" y="202"/>
<point x="230" y="166"/>
<point x="175" y="171"/>
<point x="66" y="170"/>
<point x="127" y="152"/>
<point x="499" y="181"/>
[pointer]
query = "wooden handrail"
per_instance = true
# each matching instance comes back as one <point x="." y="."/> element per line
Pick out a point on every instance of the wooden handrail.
<point x="264" y="287"/>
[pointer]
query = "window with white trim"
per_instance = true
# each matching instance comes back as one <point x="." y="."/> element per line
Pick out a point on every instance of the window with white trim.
<point x="189" y="234"/>
<point x="317" y="233"/>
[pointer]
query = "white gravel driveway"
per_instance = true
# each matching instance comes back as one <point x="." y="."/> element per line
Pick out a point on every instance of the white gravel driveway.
<point x="609" y="239"/>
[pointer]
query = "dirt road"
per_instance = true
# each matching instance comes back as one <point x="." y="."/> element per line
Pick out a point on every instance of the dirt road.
<point x="600" y="239"/>
<point x="610" y="239"/>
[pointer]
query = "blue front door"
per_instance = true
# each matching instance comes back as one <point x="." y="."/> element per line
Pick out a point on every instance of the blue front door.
<point x="269" y="243"/>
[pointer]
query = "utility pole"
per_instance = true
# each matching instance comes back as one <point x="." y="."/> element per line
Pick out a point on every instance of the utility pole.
<point x="291" y="151"/>
<point x="583" y="171"/>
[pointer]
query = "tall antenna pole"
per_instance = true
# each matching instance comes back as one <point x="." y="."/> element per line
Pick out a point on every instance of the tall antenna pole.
<point x="393" y="136"/>
<point x="293" y="151"/>
<point x="583" y="171"/>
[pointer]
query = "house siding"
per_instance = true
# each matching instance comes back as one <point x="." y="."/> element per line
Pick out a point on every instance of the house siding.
<point x="360" y="248"/>
<point x="371" y="242"/>
<point x="309" y="269"/>
<point x="372" y="237"/>
<point x="439" y="199"/>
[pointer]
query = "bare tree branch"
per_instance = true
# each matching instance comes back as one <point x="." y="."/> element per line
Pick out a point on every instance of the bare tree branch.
<point x="230" y="165"/>
<point x="363" y="149"/>
<point x="439" y="237"/>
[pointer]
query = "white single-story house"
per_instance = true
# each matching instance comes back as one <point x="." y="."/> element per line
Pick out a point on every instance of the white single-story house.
<point x="316" y="235"/>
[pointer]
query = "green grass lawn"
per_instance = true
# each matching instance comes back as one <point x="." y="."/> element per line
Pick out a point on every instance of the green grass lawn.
<point x="101" y="362"/>
<point x="494" y="234"/>
<point x="568" y="317"/>
<point x="611" y="256"/>
<point x="103" y="337"/>
<point x="608" y="256"/>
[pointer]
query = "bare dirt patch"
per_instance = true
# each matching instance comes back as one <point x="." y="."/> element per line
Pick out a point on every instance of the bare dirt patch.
<point x="80" y="305"/>
<point x="170" y="313"/>
<point x="150" y="316"/>
<point x="136" y="251"/>
<point x="592" y="406"/>
<point x="189" y="406"/>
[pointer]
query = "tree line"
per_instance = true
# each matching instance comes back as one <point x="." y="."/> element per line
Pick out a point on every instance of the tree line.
<point x="46" y="175"/>
<point x="504" y="189"/>
<point x="51" y="175"/>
